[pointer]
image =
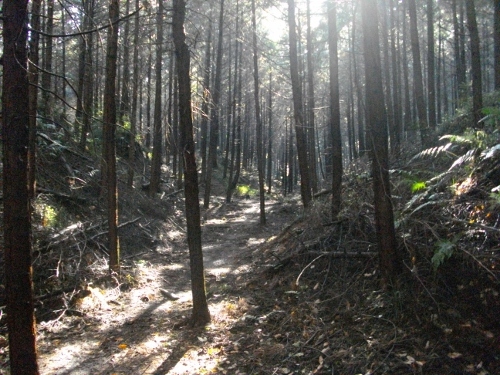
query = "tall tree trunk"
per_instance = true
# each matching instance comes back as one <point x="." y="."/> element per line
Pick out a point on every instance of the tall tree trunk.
<point x="88" y="79"/>
<point x="171" y="147"/>
<point x="335" y="135"/>
<point x="440" y="94"/>
<point x="431" y="70"/>
<point x="407" y="116"/>
<point x="63" y="73"/>
<point x="311" y="105"/>
<point x="230" y="113"/>
<point x="214" y="116"/>
<point x="125" y="81"/>
<point x="387" y="74"/>
<point x="353" y="151"/>
<point x="135" y="93"/>
<point x="154" y="184"/>
<point x="236" y="147"/>
<point x="496" y="12"/>
<point x="175" y="130"/>
<point x="396" y="88"/>
<point x="285" y="160"/>
<point x="81" y="73"/>
<point x="463" y="59"/>
<point x="291" y="161"/>
<point x="359" y="93"/>
<point x="47" y="62"/>
<point x="460" y="68"/>
<point x="376" y="119"/>
<point x="417" y="76"/>
<point x="16" y="195"/>
<point x="245" y="141"/>
<point x="205" y="103"/>
<point x="260" y="148"/>
<point x="270" y="137"/>
<point x="109" y="131"/>
<point x="148" y="100"/>
<point x="300" y="133"/>
<point x="33" y="94"/>
<point x="200" y="315"/>
<point x="475" y="49"/>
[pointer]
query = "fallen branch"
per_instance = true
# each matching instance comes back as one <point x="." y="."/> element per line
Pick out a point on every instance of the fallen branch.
<point x="65" y="148"/>
<point x="119" y="226"/>
<point x="61" y="195"/>
<point x="321" y="193"/>
<point x="173" y="193"/>
<point x="485" y="227"/>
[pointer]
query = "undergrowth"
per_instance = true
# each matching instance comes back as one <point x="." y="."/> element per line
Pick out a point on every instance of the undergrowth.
<point x="329" y="311"/>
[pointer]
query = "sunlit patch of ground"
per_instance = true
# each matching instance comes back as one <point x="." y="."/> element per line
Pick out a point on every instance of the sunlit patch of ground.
<point x="208" y="356"/>
<point x="133" y="331"/>
<point x="255" y="241"/>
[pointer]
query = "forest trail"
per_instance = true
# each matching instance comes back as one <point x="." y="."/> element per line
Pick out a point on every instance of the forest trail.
<point x="131" y="332"/>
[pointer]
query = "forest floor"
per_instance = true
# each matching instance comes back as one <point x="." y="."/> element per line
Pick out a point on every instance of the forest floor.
<point x="274" y="310"/>
<point x="299" y="295"/>
<point x="111" y="331"/>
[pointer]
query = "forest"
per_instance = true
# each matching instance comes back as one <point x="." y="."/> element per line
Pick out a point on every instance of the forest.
<point x="250" y="187"/>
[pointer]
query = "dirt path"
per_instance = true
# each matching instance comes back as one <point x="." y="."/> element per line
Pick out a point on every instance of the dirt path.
<point x="132" y="332"/>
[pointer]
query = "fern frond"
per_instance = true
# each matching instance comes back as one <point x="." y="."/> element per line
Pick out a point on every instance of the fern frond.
<point x="457" y="139"/>
<point x="467" y="157"/>
<point x="433" y="152"/>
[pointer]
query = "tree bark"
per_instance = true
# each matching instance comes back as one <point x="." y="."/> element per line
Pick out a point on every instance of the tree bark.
<point x="230" y="112"/>
<point x="407" y="116"/>
<point x="124" y="110"/>
<point x="376" y="119"/>
<point x="33" y="94"/>
<point x="200" y="315"/>
<point x="311" y="105"/>
<point x="431" y="70"/>
<point x="149" y="65"/>
<point x="135" y="93"/>
<point x="171" y="143"/>
<point x="335" y="135"/>
<point x="270" y="137"/>
<point x="417" y="76"/>
<point x="16" y="199"/>
<point x="475" y="49"/>
<point x="258" y="120"/>
<point x="396" y="86"/>
<point x="46" y="105"/>
<point x="109" y="130"/>
<point x="460" y="68"/>
<point x="214" y="116"/>
<point x="359" y="94"/>
<point x="237" y="142"/>
<point x="154" y="184"/>
<point x="205" y="103"/>
<point x="387" y="73"/>
<point x="88" y="80"/>
<point x="496" y="12"/>
<point x="300" y="133"/>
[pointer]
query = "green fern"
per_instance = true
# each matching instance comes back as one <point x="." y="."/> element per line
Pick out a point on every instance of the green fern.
<point x="470" y="138"/>
<point x="434" y="152"/>
<point x="444" y="250"/>
<point x="457" y="139"/>
<point x="464" y="159"/>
